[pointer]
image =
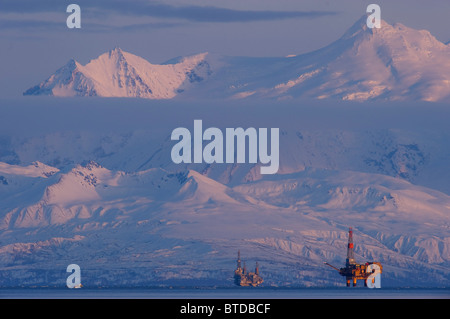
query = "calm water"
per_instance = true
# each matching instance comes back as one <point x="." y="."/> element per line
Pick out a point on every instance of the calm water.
<point x="232" y="293"/>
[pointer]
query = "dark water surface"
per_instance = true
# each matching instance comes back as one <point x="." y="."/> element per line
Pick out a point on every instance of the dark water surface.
<point x="231" y="293"/>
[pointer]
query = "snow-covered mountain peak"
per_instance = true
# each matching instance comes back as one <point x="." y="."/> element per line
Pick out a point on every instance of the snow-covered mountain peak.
<point x="71" y="65"/>
<point x="117" y="51"/>
<point x="118" y="73"/>
<point x="394" y="62"/>
<point x="397" y="37"/>
<point x="359" y="28"/>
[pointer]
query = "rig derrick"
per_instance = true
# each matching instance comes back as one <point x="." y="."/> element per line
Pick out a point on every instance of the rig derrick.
<point x="354" y="271"/>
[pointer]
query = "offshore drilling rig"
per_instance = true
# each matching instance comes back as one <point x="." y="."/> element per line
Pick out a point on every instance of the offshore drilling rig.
<point x="244" y="278"/>
<point x="353" y="271"/>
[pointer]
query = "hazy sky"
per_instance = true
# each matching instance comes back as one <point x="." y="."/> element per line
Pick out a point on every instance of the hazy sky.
<point x="35" y="41"/>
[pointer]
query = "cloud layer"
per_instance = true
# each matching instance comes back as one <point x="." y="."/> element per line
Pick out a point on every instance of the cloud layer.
<point x="154" y="9"/>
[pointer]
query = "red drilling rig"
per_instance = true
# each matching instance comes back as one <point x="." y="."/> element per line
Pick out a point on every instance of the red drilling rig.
<point x="353" y="271"/>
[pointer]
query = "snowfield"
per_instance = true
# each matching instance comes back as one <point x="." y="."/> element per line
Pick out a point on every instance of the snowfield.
<point x="92" y="182"/>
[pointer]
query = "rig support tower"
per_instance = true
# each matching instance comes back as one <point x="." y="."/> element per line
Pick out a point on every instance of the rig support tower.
<point x="353" y="271"/>
<point x="244" y="278"/>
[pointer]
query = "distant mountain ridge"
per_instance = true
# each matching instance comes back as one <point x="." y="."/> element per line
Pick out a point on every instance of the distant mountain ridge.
<point x="106" y="195"/>
<point x="172" y="225"/>
<point x="394" y="62"/>
<point x="121" y="74"/>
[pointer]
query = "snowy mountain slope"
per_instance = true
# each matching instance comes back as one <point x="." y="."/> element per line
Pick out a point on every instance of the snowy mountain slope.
<point x="35" y="169"/>
<point x="357" y="196"/>
<point x="392" y="63"/>
<point x="391" y="141"/>
<point x="121" y="74"/>
<point x="90" y="189"/>
<point x="154" y="227"/>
